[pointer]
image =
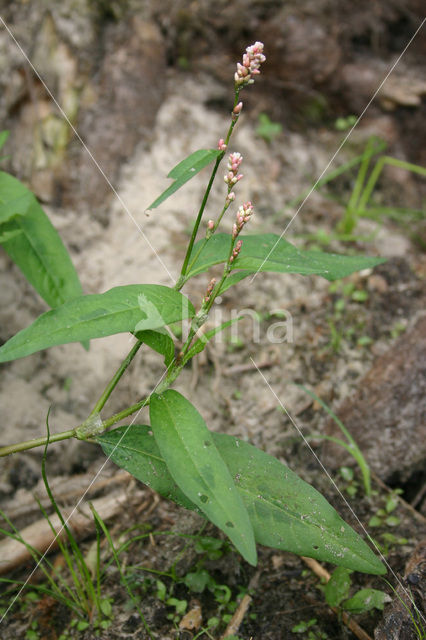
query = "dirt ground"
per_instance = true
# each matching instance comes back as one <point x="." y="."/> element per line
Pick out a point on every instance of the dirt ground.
<point x="334" y="341"/>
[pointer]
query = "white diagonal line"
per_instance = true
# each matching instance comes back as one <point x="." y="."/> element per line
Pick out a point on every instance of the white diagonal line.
<point x="337" y="489"/>
<point x="86" y="148"/>
<point x="341" y="145"/>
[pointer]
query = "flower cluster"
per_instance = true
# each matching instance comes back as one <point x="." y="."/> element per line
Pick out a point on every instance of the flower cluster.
<point x="252" y="59"/>
<point x="236" y="251"/>
<point x="209" y="290"/>
<point x="244" y="214"/>
<point x="232" y="176"/>
<point x="221" y="145"/>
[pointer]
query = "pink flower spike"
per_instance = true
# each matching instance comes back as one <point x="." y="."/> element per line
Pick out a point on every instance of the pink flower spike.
<point x="252" y="59"/>
<point x="210" y="225"/>
<point x="221" y="145"/>
<point x="237" y="109"/>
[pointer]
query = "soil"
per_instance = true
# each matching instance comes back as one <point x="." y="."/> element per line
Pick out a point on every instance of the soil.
<point x="331" y="345"/>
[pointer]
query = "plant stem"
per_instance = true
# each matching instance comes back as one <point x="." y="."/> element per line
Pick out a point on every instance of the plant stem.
<point x="36" y="442"/>
<point x="114" y="380"/>
<point x="198" y="220"/>
<point x="181" y="280"/>
<point x="125" y="413"/>
<point x="200" y="250"/>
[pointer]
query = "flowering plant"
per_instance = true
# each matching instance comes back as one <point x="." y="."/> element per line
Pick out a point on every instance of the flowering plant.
<point x="248" y="494"/>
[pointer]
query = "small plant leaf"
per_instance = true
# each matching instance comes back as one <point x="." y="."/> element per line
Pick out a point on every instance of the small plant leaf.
<point x="267" y="129"/>
<point x="32" y="242"/>
<point x="95" y="316"/>
<point x="337" y="588"/>
<point x="196" y="466"/>
<point x="185" y="170"/>
<point x="365" y="600"/>
<point x="269" y="252"/>
<point x="159" y="341"/>
<point x="285" y="512"/>
<point x="3" y="137"/>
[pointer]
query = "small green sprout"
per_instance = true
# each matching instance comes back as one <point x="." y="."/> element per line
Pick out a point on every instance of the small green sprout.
<point x="267" y="129"/>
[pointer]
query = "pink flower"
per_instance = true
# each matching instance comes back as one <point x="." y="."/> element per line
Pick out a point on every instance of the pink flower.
<point x="209" y="290"/>
<point x="252" y="59"/>
<point x="244" y="214"/>
<point x="232" y="177"/>
<point x="221" y="145"/>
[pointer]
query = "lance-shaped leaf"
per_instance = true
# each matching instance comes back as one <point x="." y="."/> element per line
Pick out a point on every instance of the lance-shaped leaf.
<point x="33" y="243"/>
<point x="196" y="466"/>
<point x="185" y="170"/>
<point x="146" y="306"/>
<point x="286" y="513"/>
<point x="269" y="252"/>
<point x="160" y="341"/>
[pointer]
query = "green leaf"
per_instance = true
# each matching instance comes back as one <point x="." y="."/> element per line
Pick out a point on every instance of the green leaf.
<point x="375" y="521"/>
<point x="3" y="137"/>
<point x="337" y="588"/>
<point x="159" y="341"/>
<point x="185" y="170"/>
<point x="365" y="600"/>
<point x="196" y="466"/>
<point x="7" y="235"/>
<point x="116" y="311"/>
<point x="267" y="129"/>
<point x="32" y="242"/>
<point x="269" y="252"/>
<point x="286" y="513"/>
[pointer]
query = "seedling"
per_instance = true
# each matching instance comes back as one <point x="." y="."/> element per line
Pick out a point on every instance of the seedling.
<point x="359" y="204"/>
<point x="337" y="591"/>
<point x="341" y="329"/>
<point x="350" y="445"/>
<point x="384" y="517"/>
<point x="308" y="629"/>
<point x="348" y="475"/>
<point x="231" y="483"/>
<point x="267" y="129"/>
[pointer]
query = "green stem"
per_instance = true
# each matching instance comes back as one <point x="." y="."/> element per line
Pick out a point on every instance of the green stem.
<point x="125" y="413"/>
<point x="184" y="269"/>
<point x="36" y="442"/>
<point x="200" y="318"/>
<point x="114" y="380"/>
<point x="200" y="215"/>
<point x="200" y="250"/>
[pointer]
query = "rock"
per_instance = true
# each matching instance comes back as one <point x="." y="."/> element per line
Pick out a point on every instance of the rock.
<point x="128" y="92"/>
<point x="387" y="415"/>
<point x="107" y="75"/>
